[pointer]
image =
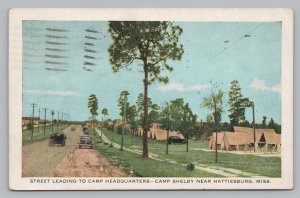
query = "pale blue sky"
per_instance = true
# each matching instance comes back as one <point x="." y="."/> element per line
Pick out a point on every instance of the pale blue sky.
<point x="213" y="51"/>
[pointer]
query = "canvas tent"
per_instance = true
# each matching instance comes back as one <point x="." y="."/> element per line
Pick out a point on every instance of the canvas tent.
<point x="212" y="140"/>
<point x="156" y="133"/>
<point x="243" y="139"/>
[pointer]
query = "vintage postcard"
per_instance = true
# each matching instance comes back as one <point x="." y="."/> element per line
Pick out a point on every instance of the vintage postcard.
<point x="162" y="99"/>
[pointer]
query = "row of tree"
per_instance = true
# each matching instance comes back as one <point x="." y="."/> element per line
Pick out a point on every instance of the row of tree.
<point x="175" y="108"/>
<point x="176" y="115"/>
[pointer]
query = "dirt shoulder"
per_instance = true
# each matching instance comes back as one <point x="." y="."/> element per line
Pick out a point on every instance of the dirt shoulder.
<point x="86" y="163"/>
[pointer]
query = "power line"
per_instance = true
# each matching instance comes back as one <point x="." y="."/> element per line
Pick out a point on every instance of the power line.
<point x="39" y="120"/>
<point x="32" y="117"/>
<point x="45" y="118"/>
<point x="52" y="114"/>
<point x="247" y="35"/>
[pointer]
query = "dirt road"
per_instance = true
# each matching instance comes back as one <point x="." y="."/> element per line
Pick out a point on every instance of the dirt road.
<point x="41" y="160"/>
<point x="38" y="159"/>
<point x="86" y="163"/>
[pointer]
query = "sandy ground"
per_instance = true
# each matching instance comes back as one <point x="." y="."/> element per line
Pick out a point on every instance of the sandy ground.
<point x="38" y="158"/>
<point x="86" y="163"/>
<point x="41" y="160"/>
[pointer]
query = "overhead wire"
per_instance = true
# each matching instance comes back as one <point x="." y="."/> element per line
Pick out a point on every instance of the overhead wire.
<point x="246" y="35"/>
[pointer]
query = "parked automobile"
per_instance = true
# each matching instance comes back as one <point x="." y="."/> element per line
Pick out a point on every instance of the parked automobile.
<point x="57" y="139"/>
<point x="176" y="140"/>
<point x="85" y="130"/>
<point x="85" y="141"/>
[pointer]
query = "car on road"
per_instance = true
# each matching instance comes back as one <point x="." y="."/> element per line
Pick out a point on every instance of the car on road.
<point x="57" y="139"/>
<point x="176" y="140"/>
<point x="85" y="129"/>
<point x="85" y="141"/>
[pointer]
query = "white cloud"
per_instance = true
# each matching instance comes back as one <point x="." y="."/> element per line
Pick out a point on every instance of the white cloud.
<point x="51" y="92"/>
<point x="261" y="85"/>
<point x="258" y="84"/>
<point x="172" y="87"/>
<point x="276" y="88"/>
<point x="180" y="87"/>
<point x="197" y="87"/>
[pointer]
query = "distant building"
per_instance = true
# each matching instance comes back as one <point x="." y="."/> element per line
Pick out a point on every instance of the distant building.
<point x="26" y="120"/>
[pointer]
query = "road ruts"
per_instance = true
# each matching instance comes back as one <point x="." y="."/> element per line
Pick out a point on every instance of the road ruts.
<point x="38" y="159"/>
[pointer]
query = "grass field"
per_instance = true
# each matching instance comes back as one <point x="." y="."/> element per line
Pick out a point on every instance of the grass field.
<point x="263" y="166"/>
<point x="39" y="134"/>
<point x="146" y="167"/>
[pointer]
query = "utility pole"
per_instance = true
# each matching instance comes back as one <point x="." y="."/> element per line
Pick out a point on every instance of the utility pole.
<point x="32" y="105"/>
<point x="216" y="125"/>
<point x="254" y="135"/>
<point x="124" y="120"/>
<point x="57" y="119"/>
<point x="168" y="128"/>
<point x="45" y="121"/>
<point x="39" y="120"/>
<point x="52" y="114"/>
<point x="62" y="118"/>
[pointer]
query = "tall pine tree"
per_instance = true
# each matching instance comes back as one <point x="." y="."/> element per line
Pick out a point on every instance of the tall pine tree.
<point x="237" y="104"/>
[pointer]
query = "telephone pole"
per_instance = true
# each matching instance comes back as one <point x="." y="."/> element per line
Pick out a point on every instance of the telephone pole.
<point x="254" y="135"/>
<point x="124" y="120"/>
<point x="39" y="120"/>
<point x="45" y="121"/>
<point x="62" y="118"/>
<point x="32" y="105"/>
<point x="52" y="114"/>
<point x="168" y="128"/>
<point x="57" y="118"/>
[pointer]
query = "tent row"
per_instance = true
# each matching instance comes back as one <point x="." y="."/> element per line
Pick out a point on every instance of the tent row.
<point x="156" y="133"/>
<point x="242" y="139"/>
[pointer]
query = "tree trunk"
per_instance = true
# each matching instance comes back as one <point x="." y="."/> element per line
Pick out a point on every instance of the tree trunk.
<point x="145" y="119"/>
<point x="216" y="125"/>
<point x="216" y="147"/>
<point x="131" y="137"/>
<point x="187" y="143"/>
<point x="167" y="148"/>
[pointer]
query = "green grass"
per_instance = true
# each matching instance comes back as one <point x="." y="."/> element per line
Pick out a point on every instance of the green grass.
<point x="145" y="167"/>
<point x="39" y="135"/>
<point x="263" y="166"/>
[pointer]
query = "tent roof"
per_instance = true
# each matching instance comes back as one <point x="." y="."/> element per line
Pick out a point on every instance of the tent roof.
<point x="237" y="138"/>
<point x="269" y="134"/>
<point x="271" y="137"/>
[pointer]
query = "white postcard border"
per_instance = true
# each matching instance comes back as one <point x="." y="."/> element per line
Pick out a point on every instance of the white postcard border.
<point x="16" y="182"/>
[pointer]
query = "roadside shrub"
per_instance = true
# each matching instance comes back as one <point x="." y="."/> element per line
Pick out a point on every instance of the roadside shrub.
<point x="190" y="166"/>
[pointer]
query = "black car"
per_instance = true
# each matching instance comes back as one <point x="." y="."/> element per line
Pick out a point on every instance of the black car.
<point x="176" y="140"/>
<point x="57" y="139"/>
